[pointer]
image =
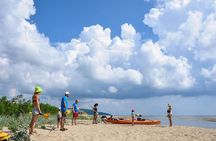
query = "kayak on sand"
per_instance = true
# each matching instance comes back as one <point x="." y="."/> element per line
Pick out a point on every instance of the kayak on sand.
<point x="144" y="122"/>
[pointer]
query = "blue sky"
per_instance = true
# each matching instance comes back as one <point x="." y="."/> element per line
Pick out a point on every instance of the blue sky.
<point x="62" y="21"/>
<point x="137" y="54"/>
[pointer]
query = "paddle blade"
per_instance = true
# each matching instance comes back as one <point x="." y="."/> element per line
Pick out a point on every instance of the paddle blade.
<point x="46" y="116"/>
<point x="68" y="112"/>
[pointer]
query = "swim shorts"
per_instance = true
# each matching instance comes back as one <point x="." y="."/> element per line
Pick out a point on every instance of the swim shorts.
<point x="75" y="114"/>
<point x="35" y="111"/>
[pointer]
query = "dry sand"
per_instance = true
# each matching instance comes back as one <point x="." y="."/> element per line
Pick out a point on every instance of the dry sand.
<point x="85" y="131"/>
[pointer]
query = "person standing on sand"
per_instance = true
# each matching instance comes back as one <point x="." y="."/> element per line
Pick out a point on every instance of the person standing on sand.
<point x="59" y="117"/>
<point x="95" y="113"/>
<point x="132" y="116"/>
<point x="169" y="114"/>
<point x="75" y="112"/>
<point x="64" y="108"/>
<point x="36" y="108"/>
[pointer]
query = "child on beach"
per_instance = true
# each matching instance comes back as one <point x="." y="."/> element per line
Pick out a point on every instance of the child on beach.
<point x="132" y="116"/>
<point x="103" y="119"/>
<point x="95" y="113"/>
<point x="59" y="117"/>
<point x="169" y="114"/>
<point x="75" y="112"/>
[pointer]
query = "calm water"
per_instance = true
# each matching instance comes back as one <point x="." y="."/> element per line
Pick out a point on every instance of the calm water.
<point x="197" y="121"/>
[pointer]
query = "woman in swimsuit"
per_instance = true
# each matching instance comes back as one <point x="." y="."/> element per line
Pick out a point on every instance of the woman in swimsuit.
<point x="169" y="114"/>
<point x="36" y="108"/>
<point x="95" y="113"/>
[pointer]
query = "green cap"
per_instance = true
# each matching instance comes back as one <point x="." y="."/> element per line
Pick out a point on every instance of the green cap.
<point x="38" y="89"/>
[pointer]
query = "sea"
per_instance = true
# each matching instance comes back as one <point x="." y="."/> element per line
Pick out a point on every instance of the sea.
<point x="208" y="121"/>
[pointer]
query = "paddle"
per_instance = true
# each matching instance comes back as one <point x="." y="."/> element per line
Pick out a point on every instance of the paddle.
<point x="93" y="108"/>
<point x="46" y="115"/>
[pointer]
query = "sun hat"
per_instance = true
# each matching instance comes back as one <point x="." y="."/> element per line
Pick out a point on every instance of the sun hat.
<point x="38" y="89"/>
<point x="67" y="93"/>
<point x="169" y="105"/>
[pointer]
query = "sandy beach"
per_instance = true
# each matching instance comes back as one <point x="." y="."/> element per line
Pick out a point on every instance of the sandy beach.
<point x="85" y="131"/>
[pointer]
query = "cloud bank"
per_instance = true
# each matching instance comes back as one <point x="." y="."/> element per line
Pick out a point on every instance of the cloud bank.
<point x="127" y="66"/>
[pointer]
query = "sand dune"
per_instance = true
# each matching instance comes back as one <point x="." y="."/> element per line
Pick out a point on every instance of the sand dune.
<point x="85" y="131"/>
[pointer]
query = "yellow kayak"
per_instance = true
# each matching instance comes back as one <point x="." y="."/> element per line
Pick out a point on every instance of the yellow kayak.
<point x="4" y="136"/>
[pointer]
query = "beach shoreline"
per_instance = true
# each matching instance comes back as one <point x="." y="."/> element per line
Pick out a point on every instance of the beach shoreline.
<point x="86" y="131"/>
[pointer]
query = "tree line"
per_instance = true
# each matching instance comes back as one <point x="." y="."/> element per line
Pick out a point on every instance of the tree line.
<point x="18" y="105"/>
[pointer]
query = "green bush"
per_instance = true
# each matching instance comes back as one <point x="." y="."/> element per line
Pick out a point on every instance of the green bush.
<point x="19" y="105"/>
<point x="21" y="134"/>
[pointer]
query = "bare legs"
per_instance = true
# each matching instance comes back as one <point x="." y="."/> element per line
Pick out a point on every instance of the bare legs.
<point x="58" y="122"/>
<point x="95" y="119"/>
<point x="62" y="121"/>
<point x="74" y="119"/>
<point x="132" y="121"/>
<point x="32" y="124"/>
<point x="170" y="120"/>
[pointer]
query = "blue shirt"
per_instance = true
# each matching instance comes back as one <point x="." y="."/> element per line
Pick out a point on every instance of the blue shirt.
<point x="76" y="109"/>
<point x="64" y="100"/>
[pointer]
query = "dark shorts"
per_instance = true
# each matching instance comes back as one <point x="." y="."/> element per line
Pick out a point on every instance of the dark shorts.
<point x="75" y="114"/>
<point x="95" y="115"/>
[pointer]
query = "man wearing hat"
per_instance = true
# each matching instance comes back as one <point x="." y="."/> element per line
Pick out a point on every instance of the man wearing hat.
<point x="64" y="108"/>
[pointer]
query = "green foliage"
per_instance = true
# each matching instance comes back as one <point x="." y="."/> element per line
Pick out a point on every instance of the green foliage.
<point x="18" y="106"/>
<point x="88" y="117"/>
<point x="21" y="134"/>
<point x="47" y="108"/>
<point x="15" y="114"/>
<point x="14" y="123"/>
<point x="43" y="127"/>
<point x="18" y="125"/>
<point x="51" y="120"/>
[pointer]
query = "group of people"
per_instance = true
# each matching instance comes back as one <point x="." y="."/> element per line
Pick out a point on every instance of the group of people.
<point x="169" y="115"/>
<point x="63" y="111"/>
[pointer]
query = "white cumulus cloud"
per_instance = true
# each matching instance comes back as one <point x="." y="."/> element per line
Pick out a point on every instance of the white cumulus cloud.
<point x="209" y="74"/>
<point x="112" y="89"/>
<point x="94" y="61"/>
<point x="186" y="29"/>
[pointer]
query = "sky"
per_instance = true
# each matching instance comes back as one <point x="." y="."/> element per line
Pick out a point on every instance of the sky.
<point x="62" y="21"/>
<point x="125" y="54"/>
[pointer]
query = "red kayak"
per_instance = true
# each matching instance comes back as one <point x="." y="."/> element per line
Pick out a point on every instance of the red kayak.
<point x="144" y="122"/>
